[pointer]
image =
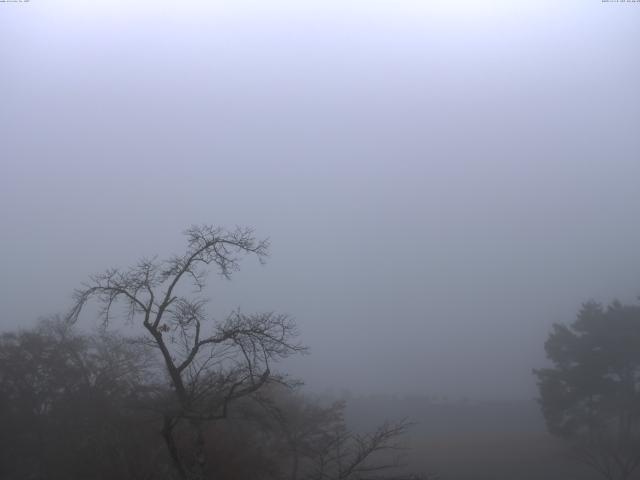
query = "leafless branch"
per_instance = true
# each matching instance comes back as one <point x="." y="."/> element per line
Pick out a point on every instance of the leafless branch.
<point x="207" y="371"/>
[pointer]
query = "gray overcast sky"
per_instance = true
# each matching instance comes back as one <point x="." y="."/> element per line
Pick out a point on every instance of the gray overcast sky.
<point x="440" y="180"/>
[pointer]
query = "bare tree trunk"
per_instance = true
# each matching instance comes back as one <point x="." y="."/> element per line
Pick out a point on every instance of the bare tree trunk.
<point x="295" y="461"/>
<point x="200" y="454"/>
<point x="167" y="434"/>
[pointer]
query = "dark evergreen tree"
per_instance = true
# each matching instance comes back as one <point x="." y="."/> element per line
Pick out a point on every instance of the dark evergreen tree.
<point x="591" y="393"/>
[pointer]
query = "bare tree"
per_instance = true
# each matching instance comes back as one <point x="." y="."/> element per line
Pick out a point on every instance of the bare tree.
<point x="209" y="364"/>
<point x="320" y="446"/>
<point x="345" y="455"/>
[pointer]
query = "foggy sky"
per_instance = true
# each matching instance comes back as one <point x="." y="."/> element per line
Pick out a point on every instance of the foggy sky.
<point x="441" y="181"/>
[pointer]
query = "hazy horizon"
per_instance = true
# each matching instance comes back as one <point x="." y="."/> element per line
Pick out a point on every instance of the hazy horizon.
<point x="440" y="181"/>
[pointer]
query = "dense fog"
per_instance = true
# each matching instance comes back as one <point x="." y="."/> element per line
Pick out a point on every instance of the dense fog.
<point x="440" y="181"/>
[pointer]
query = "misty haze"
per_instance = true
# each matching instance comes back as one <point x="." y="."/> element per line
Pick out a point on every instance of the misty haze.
<point x="320" y="240"/>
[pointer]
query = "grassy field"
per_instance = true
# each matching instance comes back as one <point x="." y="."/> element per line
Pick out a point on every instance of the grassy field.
<point x="473" y="441"/>
<point x="494" y="456"/>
